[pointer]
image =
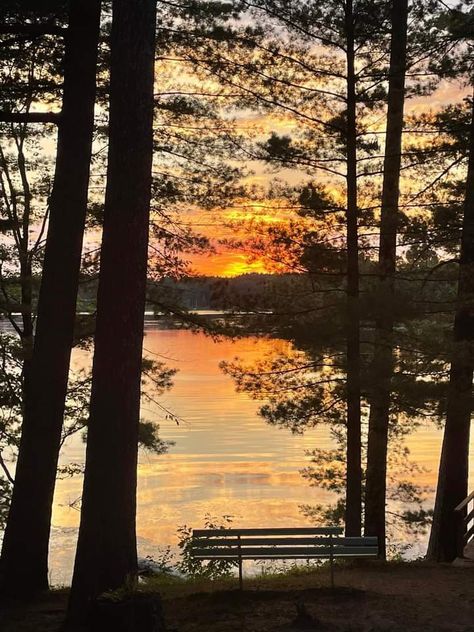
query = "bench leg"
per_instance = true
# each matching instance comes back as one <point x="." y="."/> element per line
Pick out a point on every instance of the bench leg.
<point x="331" y="561"/>
<point x="240" y="564"/>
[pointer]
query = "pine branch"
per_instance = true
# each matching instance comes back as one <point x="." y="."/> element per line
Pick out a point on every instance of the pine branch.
<point x="32" y="30"/>
<point x="30" y="117"/>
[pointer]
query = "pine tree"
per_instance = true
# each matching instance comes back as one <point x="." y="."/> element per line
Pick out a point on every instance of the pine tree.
<point x="24" y="561"/>
<point x="106" y="557"/>
<point x="454" y="465"/>
<point x="383" y="363"/>
<point x="324" y="75"/>
<point x="305" y="151"/>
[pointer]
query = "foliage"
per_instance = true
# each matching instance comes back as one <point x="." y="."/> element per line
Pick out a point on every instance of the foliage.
<point x="286" y="66"/>
<point x="190" y="171"/>
<point x="5" y="495"/>
<point x="211" y="569"/>
<point x="305" y="384"/>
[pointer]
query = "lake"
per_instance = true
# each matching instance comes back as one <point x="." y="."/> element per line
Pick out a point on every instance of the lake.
<point x="226" y="460"/>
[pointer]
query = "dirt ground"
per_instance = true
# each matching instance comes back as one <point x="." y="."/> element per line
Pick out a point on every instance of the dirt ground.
<point x="370" y="598"/>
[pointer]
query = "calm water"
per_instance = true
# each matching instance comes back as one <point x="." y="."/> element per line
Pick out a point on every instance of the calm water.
<point x="225" y="460"/>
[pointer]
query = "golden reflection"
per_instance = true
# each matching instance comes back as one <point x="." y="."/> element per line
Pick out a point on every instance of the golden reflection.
<point x="225" y="460"/>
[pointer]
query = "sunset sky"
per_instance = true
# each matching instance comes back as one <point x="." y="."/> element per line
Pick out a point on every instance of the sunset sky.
<point x="227" y="261"/>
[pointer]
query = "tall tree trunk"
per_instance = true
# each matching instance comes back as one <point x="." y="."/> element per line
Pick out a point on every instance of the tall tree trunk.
<point x="454" y="465"/>
<point x="382" y="367"/>
<point x="354" y="470"/>
<point x="106" y="552"/>
<point x="24" y="561"/>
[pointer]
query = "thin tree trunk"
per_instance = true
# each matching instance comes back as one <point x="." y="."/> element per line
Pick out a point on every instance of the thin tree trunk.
<point x="26" y="276"/>
<point x="354" y="470"/>
<point x="24" y="561"/>
<point x="454" y="465"/>
<point x="106" y="554"/>
<point x="382" y="367"/>
<point x="27" y="319"/>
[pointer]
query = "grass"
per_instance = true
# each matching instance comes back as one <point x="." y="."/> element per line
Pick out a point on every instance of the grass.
<point x="414" y="596"/>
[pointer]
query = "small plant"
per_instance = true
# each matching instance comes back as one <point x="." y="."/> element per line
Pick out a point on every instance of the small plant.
<point x="210" y="569"/>
<point x="287" y="567"/>
<point x="166" y="560"/>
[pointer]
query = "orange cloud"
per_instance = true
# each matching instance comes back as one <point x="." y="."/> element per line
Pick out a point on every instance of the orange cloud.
<point x="226" y="263"/>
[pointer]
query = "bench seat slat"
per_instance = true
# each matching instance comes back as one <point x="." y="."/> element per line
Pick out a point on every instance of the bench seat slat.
<point x="259" y="532"/>
<point x="281" y="552"/>
<point x="284" y="557"/>
<point x="292" y="541"/>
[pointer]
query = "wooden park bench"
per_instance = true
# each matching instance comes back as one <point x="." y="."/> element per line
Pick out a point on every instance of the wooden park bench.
<point x="309" y="543"/>
<point x="464" y="516"/>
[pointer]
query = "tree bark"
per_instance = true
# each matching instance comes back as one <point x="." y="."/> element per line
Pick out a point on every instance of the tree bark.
<point x="382" y="366"/>
<point x="354" y="470"/>
<point x="106" y="557"/>
<point x="24" y="561"/>
<point x="454" y="465"/>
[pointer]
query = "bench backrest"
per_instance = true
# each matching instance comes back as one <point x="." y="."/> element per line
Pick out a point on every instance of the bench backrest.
<point x="302" y="543"/>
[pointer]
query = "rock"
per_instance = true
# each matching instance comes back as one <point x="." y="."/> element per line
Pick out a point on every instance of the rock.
<point x="469" y="551"/>
<point x="140" y="612"/>
<point x="147" y="567"/>
<point x="465" y="562"/>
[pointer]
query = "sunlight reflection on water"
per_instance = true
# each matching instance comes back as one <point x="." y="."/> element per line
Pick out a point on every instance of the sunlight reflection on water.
<point x="225" y="460"/>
